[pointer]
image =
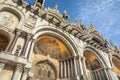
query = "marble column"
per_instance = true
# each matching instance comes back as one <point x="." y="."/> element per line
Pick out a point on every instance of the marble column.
<point x="17" y="72"/>
<point x="2" y="65"/>
<point x="68" y="68"/>
<point x="25" y="45"/>
<point x="61" y="70"/>
<point x="84" y="68"/>
<point x="65" y="71"/>
<point x="18" y="32"/>
<point x="71" y="67"/>
<point x="25" y="74"/>
<point x="75" y="69"/>
<point x="80" y="65"/>
<point x="30" y="53"/>
<point x="84" y="65"/>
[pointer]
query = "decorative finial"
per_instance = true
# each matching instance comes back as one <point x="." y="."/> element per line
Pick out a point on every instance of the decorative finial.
<point x="76" y="20"/>
<point x="65" y="15"/>
<point x="81" y="23"/>
<point x="65" y="12"/>
<point x="56" y="6"/>
<point x="111" y="43"/>
<point x="39" y="3"/>
<point x="91" y="25"/>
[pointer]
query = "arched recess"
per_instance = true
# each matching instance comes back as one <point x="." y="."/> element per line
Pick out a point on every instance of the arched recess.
<point x="5" y="39"/>
<point x="58" y="46"/>
<point x="14" y="13"/>
<point x="46" y="69"/>
<point x="52" y="46"/>
<point x="116" y="64"/>
<point x="97" y="55"/>
<point x="52" y="31"/>
<point x="95" y="64"/>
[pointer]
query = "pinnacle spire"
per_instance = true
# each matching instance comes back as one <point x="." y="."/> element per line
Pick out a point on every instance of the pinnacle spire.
<point x="76" y="20"/>
<point x="65" y="15"/>
<point x="56" y="6"/>
<point x="91" y="25"/>
<point x="81" y="22"/>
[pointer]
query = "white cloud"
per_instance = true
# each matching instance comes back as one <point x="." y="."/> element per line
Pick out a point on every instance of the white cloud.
<point x="104" y="14"/>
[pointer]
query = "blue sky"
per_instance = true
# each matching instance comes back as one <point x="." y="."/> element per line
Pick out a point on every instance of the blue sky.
<point x="104" y="14"/>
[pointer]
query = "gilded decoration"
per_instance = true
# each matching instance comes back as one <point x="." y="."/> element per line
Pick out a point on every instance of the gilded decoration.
<point x="53" y="47"/>
<point x="92" y="62"/>
<point x="116" y="63"/>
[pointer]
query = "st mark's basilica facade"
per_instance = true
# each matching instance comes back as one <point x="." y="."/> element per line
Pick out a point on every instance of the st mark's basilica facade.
<point x="38" y="43"/>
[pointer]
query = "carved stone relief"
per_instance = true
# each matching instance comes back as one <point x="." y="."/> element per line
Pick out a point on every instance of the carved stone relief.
<point x="44" y="72"/>
<point x="18" y="50"/>
<point x="8" y="19"/>
<point x="31" y="21"/>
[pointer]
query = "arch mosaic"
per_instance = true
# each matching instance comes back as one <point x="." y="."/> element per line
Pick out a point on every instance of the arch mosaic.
<point x="51" y="31"/>
<point x="92" y="62"/>
<point x="116" y="63"/>
<point x="52" y="46"/>
<point x="98" y="55"/>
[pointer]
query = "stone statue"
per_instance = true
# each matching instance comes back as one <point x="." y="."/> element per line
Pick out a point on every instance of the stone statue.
<point x="65" y="15"/>
<point x="18" y="50"/>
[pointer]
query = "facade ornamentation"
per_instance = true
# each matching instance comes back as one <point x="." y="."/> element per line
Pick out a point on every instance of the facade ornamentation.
<point x="8" y="19"/>
<point x="18" y="50"/>
<point x="30" y="22"/>
<point x="38" y="43"/>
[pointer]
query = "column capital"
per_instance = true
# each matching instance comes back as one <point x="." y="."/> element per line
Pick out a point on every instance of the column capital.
<point x="79" y="56"/>
<point x="34" y="40"/>
<point x="19" y="67"/>
<point x="3" y="61"/>
<point x="83" y="57"/>
<point x="18" y="32"/>
<point x="29" y="36"/>
<point x="74" y="57"/>
<point x="2" y="64"/>
<point x="26" y="70"/>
